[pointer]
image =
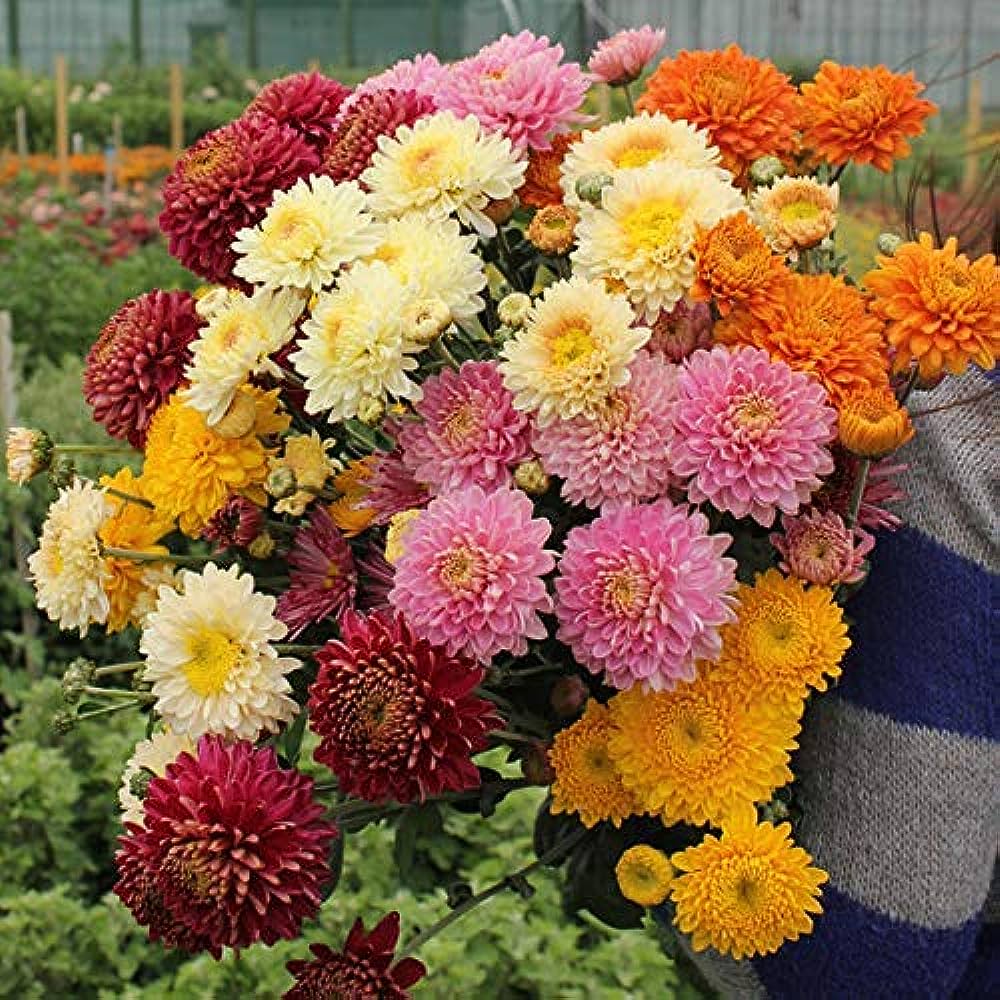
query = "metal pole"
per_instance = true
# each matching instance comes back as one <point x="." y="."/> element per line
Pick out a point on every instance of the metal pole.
<point x="250" y="16"/>
<point x="14" y="32"/>
<point x="135" y="31"/>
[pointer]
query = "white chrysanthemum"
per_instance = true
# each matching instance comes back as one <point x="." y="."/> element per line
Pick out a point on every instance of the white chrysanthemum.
<point x="795" y="213"/>
<point x="440" y="166"/>
<point x="151" y="755"/>
<point x="573" y="352"/>
<point x="309" y="232"/>
<point x="434" y="261"/>
<point x="210" y="660"/>
<point x="68" y="571"/>
<point x="643" y="235"/>
<point x="235" y="343"/>
<point x="356" y="347"/>
<point x="633" y="143"/>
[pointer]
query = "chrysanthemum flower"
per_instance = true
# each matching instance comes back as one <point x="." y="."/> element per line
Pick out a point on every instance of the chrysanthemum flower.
<point x="391" y="488"/>
<point x="138" y="361"/>
<point x="795" y="213"/>
<point x="542" y="178"/>
<point x="234" y="847"/>
<point x="151" y="756"/>
<point x="815" y="324"/>
<point x="644" y="233"/>
<point x="820" y="548"/>
<point x="519" y="87"/>
<point x="395" y="715"/>
<point x="747" y="892"/>
<point x="28" y="452"/>
<point x="641" y="594"/>
<point x="644" y="875"/>
<point x="679" y="332"/>
<point x="691" y="754"/>
<point x="552" y="229"/>
<point x="620" y="59"/>
<point x="234" y="525"/>
<point x="210" y="658"/>
<point x="748" y="107"/>
<point x="305" y="457"/>
<point x="441" y="166"/>
<point x="421" y="74"/>
<point x="862" y="113"/>
<point x="941" y="311"/>
<point x="750" y="433"/>
<point x="223" y="184"/>
<point x="881" y="489"/>
<point x="323" y="580"/>
<point x="587" y="782"/>
<point x="573" y="352"/>
<point x="871" y="422"/>
<point x="468" y="432"/>
<point x="363" y="969"/>
<point x="308" y="102"/>
<point x="396" y="532"/>
<point x="470" y="578"/>
<point x="618" y="452"/>
<point x="346" y="511"/>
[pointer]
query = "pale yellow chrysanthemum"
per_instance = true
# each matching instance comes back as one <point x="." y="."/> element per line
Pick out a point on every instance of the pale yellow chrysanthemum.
<point x="210" y="658"/>
<point x="628" y="145"/>
<point x="356" y="346"/>
<point x="235" y="343"/>
<point x="644" y="233"/>
<point x="68" y="572"/>
<point x="29" y="452"/>
<point x="309" y="232"/>
<point x="573" y="352"/>
<point x="305" y="456"/>
<point x="795" y="213"/>
<point x="443" y="165"/>
<point x="152" y="755"/>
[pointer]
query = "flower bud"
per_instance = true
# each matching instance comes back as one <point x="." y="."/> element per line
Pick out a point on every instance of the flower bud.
<point x="590" y="187"/>
<point x="62" y="471"/>
<point x="209" y="299"/>
<point x="535" y="765"/>
<point x="64" y="722"/>
<point x="500" y="211"/>
<point x="370" y="410"/>
<point x="531" y="477"/>
<point x="262" y="546"/>
<point x="427" y="319"/>
<point x="513" y="309"/>
<point x="888" y="244"/>
<point x="239" y="419"/>
<point x="568" y="696"/>
<point x="553" y="229"/>
<point x="78" y="675"/>
<point x="766" y="169"/>
<point x="29" y="452"/>
<point x="280" y="482"/>
<point x="139" y="782"/>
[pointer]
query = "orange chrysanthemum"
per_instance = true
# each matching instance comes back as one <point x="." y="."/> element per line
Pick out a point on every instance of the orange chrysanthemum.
<point x="541" y="179"/>
<point x="862" y="113"/>
<point x="872" y="423"/>
<point x="348" y="513"/>
<point x="815" y="324"/>
<point x="749" y="108"/>
<point x="734" y="265"/>
<point x="941" y="311"/>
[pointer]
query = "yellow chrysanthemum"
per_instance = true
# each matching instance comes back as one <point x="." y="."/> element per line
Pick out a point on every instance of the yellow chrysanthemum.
<point x="872" y="423"/>
<point x="644" y="232"/>
<point x="693" y="753"/>
<point x="395" y="535"/>
<point x="795" y="212"/>
<point x="587" y="782"/>
<point x="269" y="417"/>
<point x="305" y="455"/>
<point x="748" y="892"/>
<point x="644" y="875"/>
<point x="788" y="637"/>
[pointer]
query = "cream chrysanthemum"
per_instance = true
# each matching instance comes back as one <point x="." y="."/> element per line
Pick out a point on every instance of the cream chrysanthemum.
<point x="237" y="343"/>
<point x="153" y="756"/>
<point x="443" y="165"/>
<point x="210" y="658"/>
<point x="643" y="235"/>
<point x="624" y="146"/>
<point x="310" y="231"/>
<point x="795" y="213"/>
<point x="67" y="570"/>
<point x="573" y="352"/>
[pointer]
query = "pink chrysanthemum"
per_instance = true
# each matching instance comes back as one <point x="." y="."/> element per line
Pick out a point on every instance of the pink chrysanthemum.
<point x="619" y="452"/>
<point x="683" y="330"/>
<point x="234" y="525"/>
<point x="323" y="580"/>
<point x="470" y="576"/>
<point x="422" y="74"/>
<point x="308" y="102"/>
<point x="391" y="487"/>
<point x="750" y="434"/>
<point x="881" y="488"/>
<point x="233" y="848"/>
<point x="469" y="432"/>
<point x="620" y="59"/>
<point x="820" y="548"/>
<point x="642" y="592"/>
<point x="519" y="86"/>
<point x="138" y="360"/>
<point x="224" y="183"/>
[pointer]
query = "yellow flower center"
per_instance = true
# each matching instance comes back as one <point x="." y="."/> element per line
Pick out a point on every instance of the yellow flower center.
<point x="799" y="211"/>
<point x="626" y="591"/>
<point x="744" y="887"/>
<point x="389" y="253"/>
<point x="204" y="162"/>
<point x="596" y="761"/>
<point x="462" y="569"/>
<point x="292" y="233"/>
<point x="571" y="346"/>
<point x="636" y="156"/>
<point x="460" y="423"/>
<point x="778" y="639"/>
<point x="331" y="577"/>
<point x="755" y="412"/>
<point x="213" y="658"/>
<point x="652" y="225"/>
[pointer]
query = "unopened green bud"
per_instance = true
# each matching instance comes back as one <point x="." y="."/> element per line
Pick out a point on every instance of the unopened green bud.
<point x="280" y="482"/>
<point x="766" y="169"/>
<point x="590" y="187"/>
<point x="531" y="477"/>
<point x="62" y="471"/>
<point x="64" y="722"/>
<point x="78" y="675"/>
<point x="370" y="411"/>
<point x="262" y="546"/>
<point x="139" y="782"/>
<point x="513" y="309"/>
<point x="888" y="244"/>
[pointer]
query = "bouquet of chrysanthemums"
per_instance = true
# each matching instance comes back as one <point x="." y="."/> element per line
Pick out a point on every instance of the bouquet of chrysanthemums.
<point x="498" y="426"/>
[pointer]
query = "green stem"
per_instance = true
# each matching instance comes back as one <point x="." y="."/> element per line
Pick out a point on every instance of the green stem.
<point x="129" y="498"/>
<point x="149" y="557"/>
<point x="118" y="668"/>
<point x="301" y="648"/>
<point x="444" y="354"/>
<point x="109" y="709"/>
<point x="510" y="272"/>
<point x="909" y="386"/>
<point x="96" y="449"/>
<point x="505" y="736"/>
<point x="100" y="692"/>
<point x="858" y="491"/>
<point x="629" y="103"/>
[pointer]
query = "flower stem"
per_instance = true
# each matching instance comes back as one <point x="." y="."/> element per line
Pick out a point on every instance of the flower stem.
<point x="301" y="648"/>
<point x="858" y="492"/>
<point x="510" y="272"/>
<point x="629" y="103"/>
<point x="118" y="668"/>
<point x="506" y="736"/>
<point x="96" y="449"/>
<point x="129" y="498"/>
<point x="144" y="557"/>
<point x="109" y="709"/>
<point x="100" y="692"/>
<point x="908" y="387"/>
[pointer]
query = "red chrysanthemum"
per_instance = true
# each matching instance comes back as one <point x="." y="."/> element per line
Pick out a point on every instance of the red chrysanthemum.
<point x="225" y="183"/>
<point x="362" y="971"/>
<point x="138" y="360"/>
<point x="396" y="716"/>
<point x="234" y="525"/>
<point x="233" y="850"/>
<point x="308" y="102"/>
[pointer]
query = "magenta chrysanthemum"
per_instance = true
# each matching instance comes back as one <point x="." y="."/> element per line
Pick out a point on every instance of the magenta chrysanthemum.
<point x="750" y="434"/>
<point x="234" y="525"/>
<point x="620" y="59"/>
<point x="323" y="580"/>
<point x="470" y="576"/>
<point x="469" y="432"/>
<point x="225" y="183"/>
<point x="642" y="592"/>
<point x="519" y="86"/>
<point x="391" y="488"/>
<point x="308" y="102"/>
<point x="233" y="849"/>
<point x="138" y="360"/>
<point x="421" y="74"/>
<point x="619" y="452"/>
<point x="820" y="548"/>
<point x="683" y="330"/>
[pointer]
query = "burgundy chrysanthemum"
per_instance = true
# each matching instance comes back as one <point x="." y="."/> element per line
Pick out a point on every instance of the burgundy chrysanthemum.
<point x="138" y="360"/>
<point x="309" y="102"/>
<point x="391" y="487"/>
<point x="881" y="489"/>
<point x="356" y="134"/>
<point x="224" y="183"/>
<point x="323" y="578"/>
<point x="396" y="716"/>
<point x="362" y="971"/>
<point x="234" y="525"/>
<point x="233" y="850"/>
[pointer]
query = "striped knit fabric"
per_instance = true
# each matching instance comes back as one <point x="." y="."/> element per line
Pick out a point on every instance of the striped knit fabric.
<point x="899" y="765"/>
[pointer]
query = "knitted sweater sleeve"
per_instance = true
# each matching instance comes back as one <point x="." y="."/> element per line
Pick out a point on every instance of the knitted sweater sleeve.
<point x="898" y="765"/>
